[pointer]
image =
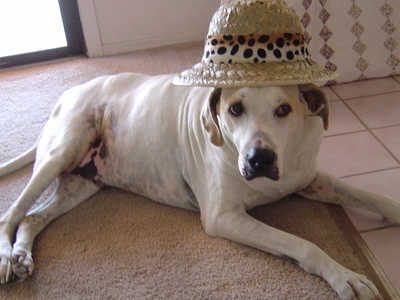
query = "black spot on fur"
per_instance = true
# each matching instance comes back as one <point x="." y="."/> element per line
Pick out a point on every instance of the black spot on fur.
<point x="88" y="171"/>
<point x="96" y="143"/>
<point x="103" y="152"/>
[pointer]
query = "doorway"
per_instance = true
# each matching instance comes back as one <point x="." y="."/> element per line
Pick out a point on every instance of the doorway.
<point x="34" y="31"/>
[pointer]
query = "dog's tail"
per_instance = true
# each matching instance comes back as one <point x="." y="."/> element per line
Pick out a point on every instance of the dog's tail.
<point x="19" y="162"/>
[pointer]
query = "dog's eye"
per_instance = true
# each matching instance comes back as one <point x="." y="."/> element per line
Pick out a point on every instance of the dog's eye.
<point x="283" y="110"/>
<point x="236" y="109"/>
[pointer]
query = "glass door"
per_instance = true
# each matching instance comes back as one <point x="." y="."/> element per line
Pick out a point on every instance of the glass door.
<point x="37" y="30"/>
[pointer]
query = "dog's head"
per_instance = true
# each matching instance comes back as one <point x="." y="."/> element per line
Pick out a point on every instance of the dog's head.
<point x="265" y="125"/>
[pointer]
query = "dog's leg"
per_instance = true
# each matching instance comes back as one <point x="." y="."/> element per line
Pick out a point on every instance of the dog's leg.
<point x="328" y="188"/>
<point x="57" y="153"/>
<point x="228" y="219"/>
<point x="42" y="177"/>
<point x="71" y="191"/>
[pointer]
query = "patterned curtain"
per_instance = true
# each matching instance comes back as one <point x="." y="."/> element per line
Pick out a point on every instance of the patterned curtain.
<point x="357" y="38"/>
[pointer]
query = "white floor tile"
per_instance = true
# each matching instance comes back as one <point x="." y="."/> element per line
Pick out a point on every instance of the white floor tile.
<point x="342" y="120"/>
<point x="366" y="88"/>
<point x="352" y="154"/>
<point x="379" y="110"/>
<point x="390" y="136"/>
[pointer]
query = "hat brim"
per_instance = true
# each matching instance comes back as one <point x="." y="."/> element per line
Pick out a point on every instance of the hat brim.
<point x="254" y="74"/>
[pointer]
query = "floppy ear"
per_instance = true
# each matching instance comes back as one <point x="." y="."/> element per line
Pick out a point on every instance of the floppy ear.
<point x="210" y="119"/>
<point x="318" y="104"/>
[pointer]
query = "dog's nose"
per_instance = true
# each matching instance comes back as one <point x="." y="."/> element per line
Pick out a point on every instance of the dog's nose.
<point x="261" y="159"/>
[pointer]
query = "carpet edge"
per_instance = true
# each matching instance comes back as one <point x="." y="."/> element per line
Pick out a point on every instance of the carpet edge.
<point x="375" y="271"/>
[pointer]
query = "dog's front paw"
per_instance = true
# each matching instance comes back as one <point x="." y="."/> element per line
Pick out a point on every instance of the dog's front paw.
<point x="353" y="286"/>
<point x="6" y="272"/>
<point x="22" y="263"/>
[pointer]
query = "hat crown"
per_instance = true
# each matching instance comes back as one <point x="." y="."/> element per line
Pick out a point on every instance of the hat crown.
<point x="256" y="16"/>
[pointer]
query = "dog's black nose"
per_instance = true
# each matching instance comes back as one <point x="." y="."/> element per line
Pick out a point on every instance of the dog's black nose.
<point x="261" y="159"/>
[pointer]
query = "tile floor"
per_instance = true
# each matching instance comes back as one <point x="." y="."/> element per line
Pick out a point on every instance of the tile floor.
<point x="362" y="147"/>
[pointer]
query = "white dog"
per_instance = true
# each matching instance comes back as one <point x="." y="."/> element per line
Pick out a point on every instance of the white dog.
<point x="218" y="151"/>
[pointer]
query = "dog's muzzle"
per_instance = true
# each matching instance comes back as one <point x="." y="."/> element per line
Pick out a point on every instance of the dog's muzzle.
<point x="260" y="162"/>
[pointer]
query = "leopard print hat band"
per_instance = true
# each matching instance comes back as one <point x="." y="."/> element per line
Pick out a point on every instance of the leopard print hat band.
<point x="255" y="43"/>
<point x="256" y="48"/>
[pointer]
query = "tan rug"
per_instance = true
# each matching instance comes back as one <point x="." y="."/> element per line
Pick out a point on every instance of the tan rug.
<point x="121" y="246"/>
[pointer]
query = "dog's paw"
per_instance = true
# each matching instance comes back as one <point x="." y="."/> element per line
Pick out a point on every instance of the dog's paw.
<point x="22" y="264"/>
<point x="353" y="286"/>
<point x="6" y="272"/>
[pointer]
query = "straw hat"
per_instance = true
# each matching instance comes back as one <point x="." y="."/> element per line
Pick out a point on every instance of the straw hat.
<point x="255" y="43"/>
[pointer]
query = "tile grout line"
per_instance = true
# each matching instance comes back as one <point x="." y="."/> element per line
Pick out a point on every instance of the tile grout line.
<point x="335" y="93"/>
<point x="359" y="97"/>
<point x="377" y="228"/>
<point x="371" y="130"/>
<point x="367" y="96"/>
<point x="344" y="133"/>
<point x="369" y="172"/>
<point x="359" y="131"/>
<point x="386" y="126"/>
<point x="385" y="147"/>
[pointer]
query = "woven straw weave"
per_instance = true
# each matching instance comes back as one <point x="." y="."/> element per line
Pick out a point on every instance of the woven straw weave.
<point x="243" y="17"/>
<point x="223" y="75"/>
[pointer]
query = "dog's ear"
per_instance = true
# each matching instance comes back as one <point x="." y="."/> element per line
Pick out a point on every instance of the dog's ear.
<point x="210" y="118"/>
<point x="318" y="104"/>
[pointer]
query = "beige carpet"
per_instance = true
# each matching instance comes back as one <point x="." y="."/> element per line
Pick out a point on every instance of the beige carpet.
<point x="122" y="246"/>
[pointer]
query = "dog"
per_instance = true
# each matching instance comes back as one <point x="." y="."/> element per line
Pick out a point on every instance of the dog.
<point x="219" y="151"/>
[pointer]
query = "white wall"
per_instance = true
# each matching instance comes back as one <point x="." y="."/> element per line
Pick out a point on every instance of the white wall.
<point x="118" y="26"/>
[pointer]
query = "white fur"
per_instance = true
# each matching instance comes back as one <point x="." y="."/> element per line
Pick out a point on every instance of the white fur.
<point x="158" y="144"/>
